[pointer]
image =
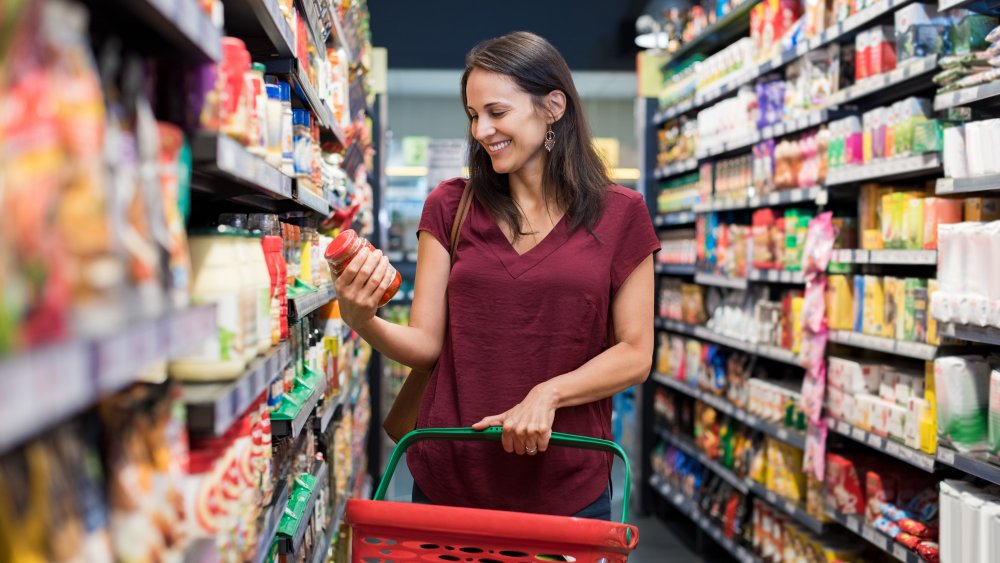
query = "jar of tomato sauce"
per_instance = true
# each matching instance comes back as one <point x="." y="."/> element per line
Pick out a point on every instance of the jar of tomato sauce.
<point x="345" y="247"/>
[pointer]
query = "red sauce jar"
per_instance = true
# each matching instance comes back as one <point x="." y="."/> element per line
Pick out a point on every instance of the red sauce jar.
<point x="345" y="247"/>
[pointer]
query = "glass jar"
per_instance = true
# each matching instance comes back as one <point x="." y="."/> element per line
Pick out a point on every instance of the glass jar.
<point x="345" y="247"/>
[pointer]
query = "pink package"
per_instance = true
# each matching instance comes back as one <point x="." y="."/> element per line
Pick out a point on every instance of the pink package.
<point x="814" y="307"/>
<point x="813" y="390"/>
<point x="882" y="50"/>
<point x="820" y="239"/>
<point x="815" y="453"/>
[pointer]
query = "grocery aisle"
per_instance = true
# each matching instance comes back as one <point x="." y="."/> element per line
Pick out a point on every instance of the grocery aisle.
<point x="826" y="372"/>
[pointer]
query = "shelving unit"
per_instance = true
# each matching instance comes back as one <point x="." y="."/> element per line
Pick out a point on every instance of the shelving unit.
<point x="689" y="508"/>
<point x="66" y="385"/>
<point x="213" y="407"/>
<point x="917" y="350"/>
<point x="882" y="444"/>
<point x="874" y="537"/>
<point x="909" y="78"/>
<point x="675" y="269"/>
<point x="969" y="463"/>
<point x="787" y="435"/>
<point x="674" y="218"/>
<point x="676" y="169"/>
<point x="715" y="467"/>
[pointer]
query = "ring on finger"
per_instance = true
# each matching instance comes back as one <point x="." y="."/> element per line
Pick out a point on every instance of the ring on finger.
<point x="531" y="450"/>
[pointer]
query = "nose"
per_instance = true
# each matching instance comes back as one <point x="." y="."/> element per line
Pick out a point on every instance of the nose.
<point x="482" y="129"/>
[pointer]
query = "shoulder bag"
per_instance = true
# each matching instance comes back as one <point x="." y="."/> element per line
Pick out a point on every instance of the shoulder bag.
<point x="402" y="417"/>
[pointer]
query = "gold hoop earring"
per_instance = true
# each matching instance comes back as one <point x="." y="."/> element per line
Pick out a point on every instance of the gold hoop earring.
<point x="550" y="139"/>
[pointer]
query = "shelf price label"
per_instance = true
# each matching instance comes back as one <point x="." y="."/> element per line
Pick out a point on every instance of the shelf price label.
<point x="853" y="524"/>
<point x="946" y="456"/>
<point x="858" y="434"/>
<point x="899" y="552"/>
<point x="875" y="441"/>
<point x="874" y="538"/>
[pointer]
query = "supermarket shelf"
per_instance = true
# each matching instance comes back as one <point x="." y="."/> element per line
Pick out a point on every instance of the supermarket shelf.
<point x="182" y="24"/>
<point x="884" y="445"/>
<point x="893" y="168"/>
<point x="272" y="516"/>
<point x="763" y="350"/>
<point x="675" y="269"/>
<point x="720" y="281"/>
<point x="724" y="30"/>
<point x="988" y="7"/>
<point x="307" y="10"/>
<point x="814" y="119"/>
<point x="689" y="508"/>
<point x="966" y="96"/>
<point x="796" y="511"/>
<point x="911" y="69"/>
<point x="948" y="186"/>
<point x="282" y="428"/>
<point x="918" y="350"/>
<point x="292" y="544"/>
<point x="307" y="198"/>
<point x="331" y="411"/>
<point x="259" y="18"/>
<point x="903" y="257"/>
<point x="341" y="37"/>
<point x="322" y="546"/>
<point x="306" y="93"/>
<point x="673" y="111"/>
<point x="676" y="168"/>
<point x="985" y="335"/>
<point x="220" y="156"/>
<point x="300" y="307"/>
<point x="777" y="276"/>
<point x="675" y="218"/>
<point x="816" y="194"/>
<point x="969" y="463"/>
<point x="213" y="407"/>
<point x="786" y="435"/>
<point x="689" y="448"/>
<point x="50" y="384"/>
<point x="874" y="537"/>
<point x="675" y="326"/>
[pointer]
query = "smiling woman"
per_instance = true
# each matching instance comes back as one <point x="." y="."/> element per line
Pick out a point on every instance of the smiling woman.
<point x="542" y="310"/>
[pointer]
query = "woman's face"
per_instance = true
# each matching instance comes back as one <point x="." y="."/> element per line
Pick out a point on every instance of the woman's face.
<point x="505" y="122"/>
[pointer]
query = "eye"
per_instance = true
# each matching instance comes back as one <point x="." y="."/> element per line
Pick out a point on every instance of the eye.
<point x="498" y="114"/>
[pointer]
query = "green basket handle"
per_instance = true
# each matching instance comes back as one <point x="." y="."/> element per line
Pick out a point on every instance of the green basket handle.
<point x="494" y="433"/>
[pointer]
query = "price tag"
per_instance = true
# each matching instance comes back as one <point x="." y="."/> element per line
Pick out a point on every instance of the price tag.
<point x="945" y="455"/>
<point x="776" y="61"/>
<point x="968" y="95"/>
<point x="801" y="49"/>
<point x="853" y="524"/>
<point x="874" y="537"/>
<point x="899" y="552"/>
<point x="843" y="427"/>
<point x="678" y="499"/>
<point x="790" y="507"/>
<point x="875" y="441"/>
<point x="782" y="434"/>
<point x="771" y="497"/>
<point x="858" y="434"/>
<point x="894" y="449"/>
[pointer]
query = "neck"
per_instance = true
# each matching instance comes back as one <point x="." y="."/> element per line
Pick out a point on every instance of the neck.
<point x="526" y="185"/>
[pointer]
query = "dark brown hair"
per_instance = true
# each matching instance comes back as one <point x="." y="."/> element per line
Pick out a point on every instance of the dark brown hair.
<point x="574" y="173"/>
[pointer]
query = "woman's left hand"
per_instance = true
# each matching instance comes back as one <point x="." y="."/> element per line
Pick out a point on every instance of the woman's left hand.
<point x="528" y="426"/>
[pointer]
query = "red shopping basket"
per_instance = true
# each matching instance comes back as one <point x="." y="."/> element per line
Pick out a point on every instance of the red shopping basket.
<point x="386" y="532"/>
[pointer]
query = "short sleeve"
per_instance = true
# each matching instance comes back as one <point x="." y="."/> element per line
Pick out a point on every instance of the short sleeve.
<point x="637" y="240"/>
<point x="440" y="208"/>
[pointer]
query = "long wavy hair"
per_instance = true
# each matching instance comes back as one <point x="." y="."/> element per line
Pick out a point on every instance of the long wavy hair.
<point x="574" y="175"/>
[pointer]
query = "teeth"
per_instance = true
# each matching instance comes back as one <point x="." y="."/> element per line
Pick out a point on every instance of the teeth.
<point x="498" y="146"/>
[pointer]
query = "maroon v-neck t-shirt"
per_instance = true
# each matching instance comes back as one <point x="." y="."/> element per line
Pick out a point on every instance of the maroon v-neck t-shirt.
<point x="515" y="321"/>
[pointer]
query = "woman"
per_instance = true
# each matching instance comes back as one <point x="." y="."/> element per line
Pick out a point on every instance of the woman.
<point x="551" y="256"/>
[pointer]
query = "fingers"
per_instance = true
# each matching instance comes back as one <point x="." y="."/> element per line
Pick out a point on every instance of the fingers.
<point x="525" y="438"/>
<point x="495" y="420"/>
<point x="381" y="278"/>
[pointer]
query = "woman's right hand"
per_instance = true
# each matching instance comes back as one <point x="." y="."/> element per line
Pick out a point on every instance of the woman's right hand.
<point x="361" y="286"/>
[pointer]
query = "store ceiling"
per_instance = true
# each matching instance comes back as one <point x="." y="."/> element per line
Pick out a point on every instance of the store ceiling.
<point x="593" y="35"/>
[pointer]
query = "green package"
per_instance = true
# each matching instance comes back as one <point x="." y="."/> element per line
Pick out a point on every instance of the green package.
<point x="915" y="310"/>
<point x="928" y="136"/>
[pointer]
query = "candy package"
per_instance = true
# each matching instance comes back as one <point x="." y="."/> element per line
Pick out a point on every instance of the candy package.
<point x="820" y="239"/>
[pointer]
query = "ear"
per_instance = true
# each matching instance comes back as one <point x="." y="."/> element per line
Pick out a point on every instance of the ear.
<point x="555" y="104"/>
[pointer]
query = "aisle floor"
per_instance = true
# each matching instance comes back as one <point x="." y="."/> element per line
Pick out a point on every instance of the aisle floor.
<point x="668" y="538"/>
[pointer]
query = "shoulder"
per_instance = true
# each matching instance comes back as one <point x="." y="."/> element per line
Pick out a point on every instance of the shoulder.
<point x="622" y="202"/>
<point x="447" y="194"/>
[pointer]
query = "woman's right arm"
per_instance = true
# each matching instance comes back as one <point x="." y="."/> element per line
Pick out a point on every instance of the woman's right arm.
<point x="365" y="280"/>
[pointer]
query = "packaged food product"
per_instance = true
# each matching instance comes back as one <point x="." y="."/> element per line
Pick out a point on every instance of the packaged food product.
<point x="345" y="247"/>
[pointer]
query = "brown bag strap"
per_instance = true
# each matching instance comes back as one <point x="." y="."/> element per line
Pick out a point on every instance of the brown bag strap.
<point x="460" y="214"/>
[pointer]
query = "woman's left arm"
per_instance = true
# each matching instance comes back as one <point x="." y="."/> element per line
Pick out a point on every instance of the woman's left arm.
<point x="528" y="426"/>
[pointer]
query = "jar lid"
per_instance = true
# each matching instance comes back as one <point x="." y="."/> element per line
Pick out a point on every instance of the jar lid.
<point x="258" y="67"/>
<point x="341" y="245"/>
<point x="286" y="91"/>
<point x="273" y="91"/>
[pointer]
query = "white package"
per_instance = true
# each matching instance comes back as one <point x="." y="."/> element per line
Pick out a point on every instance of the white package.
<point x="993" y="273"/>
<point x="950" y="514"/>
<point x="944" y="301"/>
<point x="911" y="430"/>
<point x="962" y="386"/>
<point x="955" y="162"/>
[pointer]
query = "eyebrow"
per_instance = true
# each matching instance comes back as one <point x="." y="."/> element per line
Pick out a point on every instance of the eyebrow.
<point x="487" y="106"/>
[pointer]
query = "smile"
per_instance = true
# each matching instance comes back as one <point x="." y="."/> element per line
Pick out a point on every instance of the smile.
<point x="498" y="147"/>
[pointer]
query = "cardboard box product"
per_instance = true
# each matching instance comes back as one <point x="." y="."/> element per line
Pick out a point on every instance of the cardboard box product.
<point x="916" y="411"/>
<point x="887" y="385"/>
<point x="880" y="417"/>
<point x="915" y="310"/>
<point x="897" y="422"/>
<point x="981" y="209"/>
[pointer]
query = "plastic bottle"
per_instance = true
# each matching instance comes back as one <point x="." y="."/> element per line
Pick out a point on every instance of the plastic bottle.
<point x="345" y="247"/>
<point x="256" y="102"/>
<point x="302" y="142"/>
<point x="274" y="129"/>
<point x="216" y="267"/>
<point x="287" y="162"/>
